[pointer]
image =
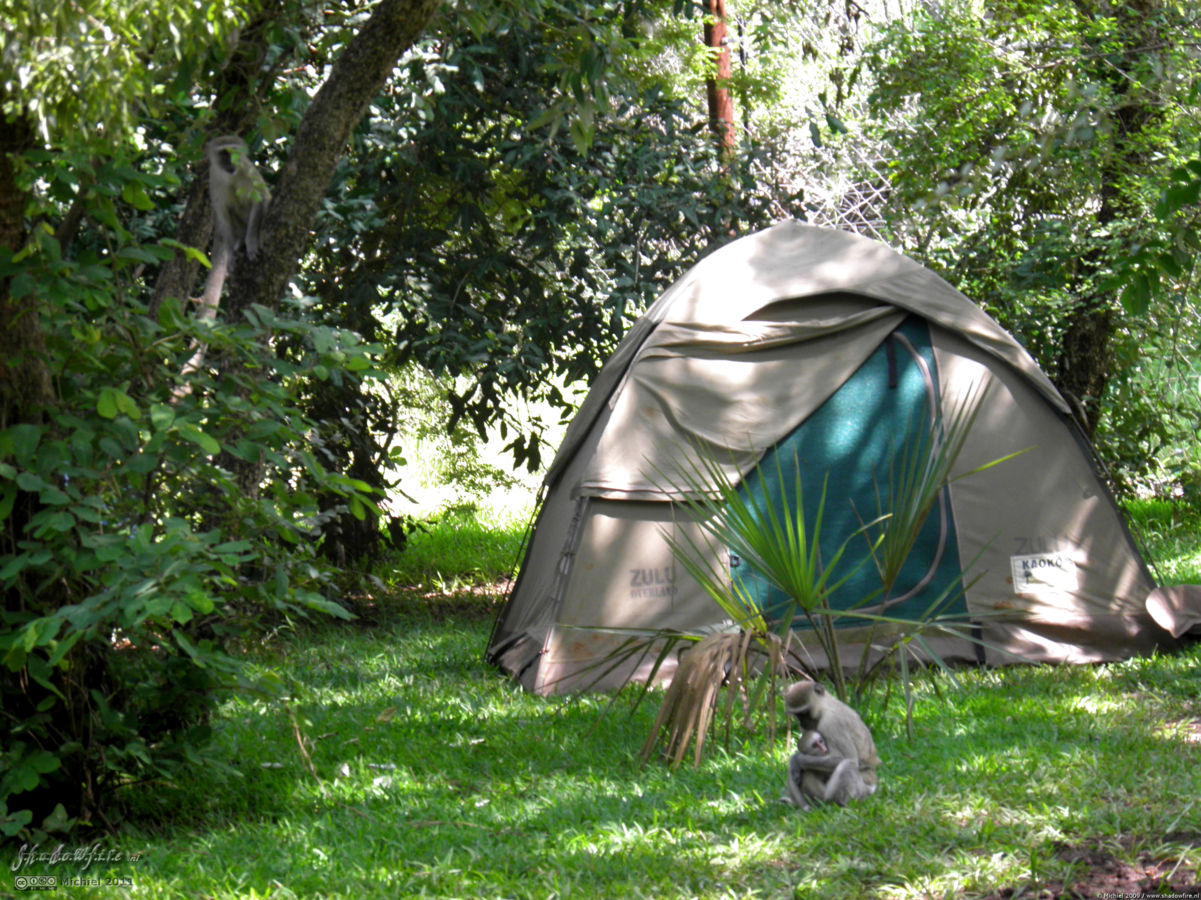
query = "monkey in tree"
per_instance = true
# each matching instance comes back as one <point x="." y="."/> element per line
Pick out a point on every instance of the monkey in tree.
<point x="239" y="197"/>
<point x="238" y="192"/>
<point x="836" y="757"/>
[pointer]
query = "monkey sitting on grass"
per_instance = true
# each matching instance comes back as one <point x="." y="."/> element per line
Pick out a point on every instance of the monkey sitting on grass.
<point x="836" y="757"/>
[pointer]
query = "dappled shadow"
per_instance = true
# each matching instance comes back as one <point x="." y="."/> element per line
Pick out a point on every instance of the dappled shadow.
<point x="398" y="604"/>
<point x="435" y="764"/>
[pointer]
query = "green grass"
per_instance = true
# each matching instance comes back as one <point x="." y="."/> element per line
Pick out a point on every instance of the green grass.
<point x="433" y="776"/>
<point x="459" y="546"/>
<point x="1172" y="532"/>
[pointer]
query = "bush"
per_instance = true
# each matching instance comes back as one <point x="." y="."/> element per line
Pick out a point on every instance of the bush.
<point x="147" y="530"/>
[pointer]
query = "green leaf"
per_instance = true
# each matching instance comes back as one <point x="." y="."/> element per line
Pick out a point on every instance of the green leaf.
<point x="190" y="252"/>
<point x="141" y="464"/>
<point x="205" y="442"/>
<point x="27" y="481"/>
<point x="127" y="405"/>
<point x="25" y="439"/>
<point x="161" y="416"/>
<point x="43" y="762"/>
<point x="1177" y="197"/>
<point x="135" y="195"/>
<point x="1167" y="263"/>
<point x="316" y="601"/>
<point x="113" y="402"/>
<point x="1136" y="296"/>
<point x="106" y="404"/>
<point x="60" y="521"/>
<point x="15" y="821"/>
<point x="28" y="636"/>
<point x="202" y="603"/>
<point x="187" y="646"/>
<point x="835" y="124"/>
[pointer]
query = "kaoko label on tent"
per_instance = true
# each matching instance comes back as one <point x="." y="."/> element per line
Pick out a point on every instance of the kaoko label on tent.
<point x="1044" y="573"/>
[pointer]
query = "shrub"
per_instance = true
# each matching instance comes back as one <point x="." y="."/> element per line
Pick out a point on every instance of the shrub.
<point x="146" y="531"/>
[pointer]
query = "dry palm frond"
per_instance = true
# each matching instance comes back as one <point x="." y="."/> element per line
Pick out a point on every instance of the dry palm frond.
<point x="690" y="704"/>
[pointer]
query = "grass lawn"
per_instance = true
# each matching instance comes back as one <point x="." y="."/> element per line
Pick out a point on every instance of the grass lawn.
<point x="425" y="773"/>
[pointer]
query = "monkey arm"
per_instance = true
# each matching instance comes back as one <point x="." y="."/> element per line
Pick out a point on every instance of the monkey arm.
<point x="253" y="224"/>
<point x="827" y="763"/>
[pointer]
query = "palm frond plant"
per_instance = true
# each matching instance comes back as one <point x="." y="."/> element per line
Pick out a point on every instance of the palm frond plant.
<point x="919" y="475"/>
<point x="758" y="650"/>
<point x="774" y="538"/>
<point x="778" y="543"/>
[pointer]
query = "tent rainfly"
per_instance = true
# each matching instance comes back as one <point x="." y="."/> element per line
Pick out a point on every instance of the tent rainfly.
<point x="819" y="349"/>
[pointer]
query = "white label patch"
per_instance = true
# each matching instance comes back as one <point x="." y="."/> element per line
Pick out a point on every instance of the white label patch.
<point x="1044" y="573"/>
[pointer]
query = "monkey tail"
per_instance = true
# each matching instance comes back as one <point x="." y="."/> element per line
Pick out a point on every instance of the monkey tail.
<point x="209" y="302"/>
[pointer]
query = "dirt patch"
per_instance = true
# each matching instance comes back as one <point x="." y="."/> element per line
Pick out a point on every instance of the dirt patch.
<point x="1098" y="874"/>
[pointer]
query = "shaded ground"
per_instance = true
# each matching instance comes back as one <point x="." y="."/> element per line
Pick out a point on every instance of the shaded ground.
<point x="1109" y="870"/>
<point x="480" y="601"/>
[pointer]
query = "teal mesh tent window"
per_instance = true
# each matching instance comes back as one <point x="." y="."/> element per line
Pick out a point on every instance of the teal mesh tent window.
<point x="851" y="441"/>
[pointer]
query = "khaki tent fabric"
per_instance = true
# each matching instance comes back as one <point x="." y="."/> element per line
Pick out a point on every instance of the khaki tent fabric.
<point x="732" y="359"/>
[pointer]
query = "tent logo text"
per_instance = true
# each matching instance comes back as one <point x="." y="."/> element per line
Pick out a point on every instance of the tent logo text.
<point x="657" y="582"/>
<point x="1044" y="573"/>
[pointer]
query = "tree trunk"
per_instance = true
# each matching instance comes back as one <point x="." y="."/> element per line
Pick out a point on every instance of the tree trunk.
<point x="721" y="104"/>
<point x="26" y="390"/>
<point x="1084" y="364"/>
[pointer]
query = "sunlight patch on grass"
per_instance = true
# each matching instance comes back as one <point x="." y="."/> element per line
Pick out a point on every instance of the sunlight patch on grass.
<point x="1095" y="705"/>
<point x="1170" y="530"/>
<point x="459" y="546"/>
<point x="435" y="776"/>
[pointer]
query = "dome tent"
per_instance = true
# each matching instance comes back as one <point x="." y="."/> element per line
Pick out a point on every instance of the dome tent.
<point x="813" y="347"/>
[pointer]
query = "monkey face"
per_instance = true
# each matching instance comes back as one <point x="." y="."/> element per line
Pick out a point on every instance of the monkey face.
<point x="226" y="161"/>
<point x="804" y="698"/>
<point x="813" y="743"/>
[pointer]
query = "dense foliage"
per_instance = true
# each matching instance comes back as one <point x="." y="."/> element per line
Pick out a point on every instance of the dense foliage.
<point x="144" y="550"/>
<point x="512" y="254"/>
<point x="512" y="201"/>
<point x="529" y="178"/>
<point x="153" y="516"/>
<point x="1042" y="160"/>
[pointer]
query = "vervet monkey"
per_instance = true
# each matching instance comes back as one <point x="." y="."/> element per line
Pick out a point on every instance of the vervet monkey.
<point x="240" y="197"/>
<point x="812" y="743"/>
<point x="239" y="194"/>
<point x="836" y="757"/>
<point x="815" y="775"/>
